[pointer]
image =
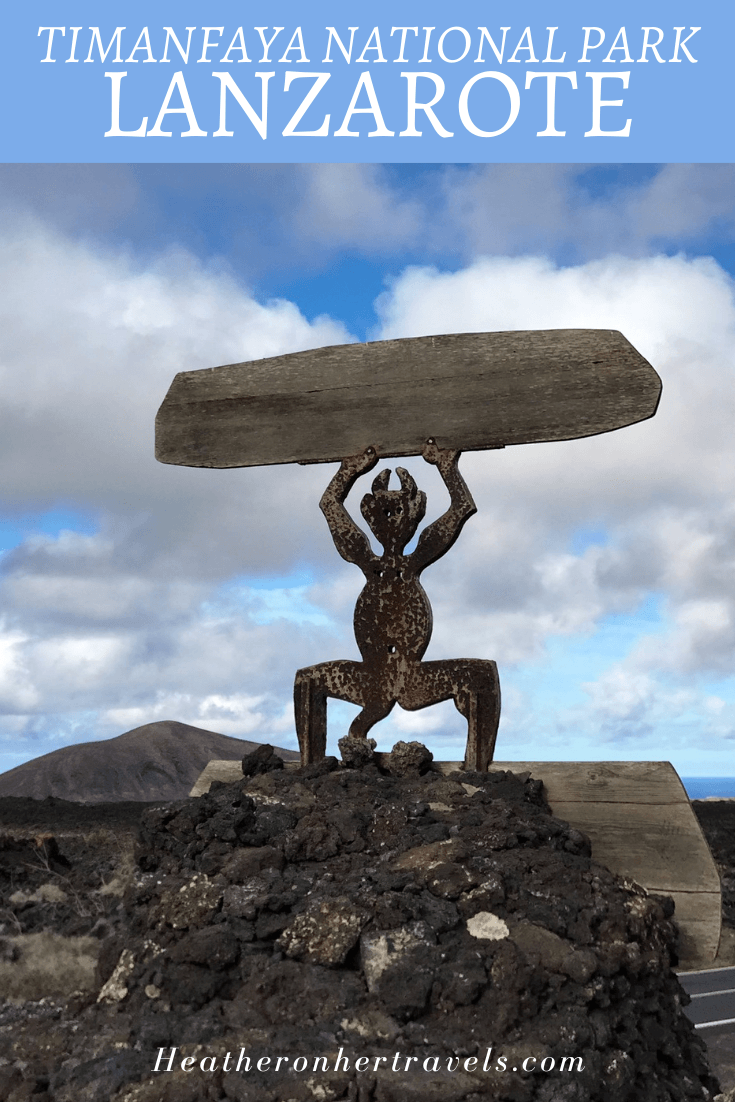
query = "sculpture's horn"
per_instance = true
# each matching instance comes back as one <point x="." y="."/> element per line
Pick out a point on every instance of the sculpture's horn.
<point x="407" y="483"/>
<point x="380" y="482"/>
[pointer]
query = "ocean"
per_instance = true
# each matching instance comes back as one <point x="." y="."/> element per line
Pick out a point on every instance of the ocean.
<point x="698" y="788"/>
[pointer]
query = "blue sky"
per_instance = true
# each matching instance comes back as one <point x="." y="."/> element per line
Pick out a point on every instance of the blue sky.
<point x="599" y="574"/>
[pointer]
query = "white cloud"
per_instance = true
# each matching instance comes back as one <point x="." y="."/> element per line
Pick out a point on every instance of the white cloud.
<point x="133" y="623"/>
<point x="417" y="725"/>
<point x="236" y="714"/>
<point x="294" y="218"/>
<point x="90" y="345"/>
<point x="350" y="205"/>
<point x="661" y="491"/>
<point x="512" y="209"/>
<point x="625" y="700"/>
<point x="18" y="694"/>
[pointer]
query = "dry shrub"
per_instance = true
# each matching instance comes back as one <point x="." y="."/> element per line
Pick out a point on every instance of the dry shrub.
<point x="48" y="964"/>
<point x="123" y="873"/>
<point x="47" y="893"/>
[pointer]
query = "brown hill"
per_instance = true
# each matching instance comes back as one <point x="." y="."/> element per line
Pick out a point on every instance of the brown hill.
<point x="159" y="761"/>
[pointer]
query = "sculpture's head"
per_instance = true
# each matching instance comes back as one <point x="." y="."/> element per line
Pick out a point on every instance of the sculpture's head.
<point x="394" y="515"/>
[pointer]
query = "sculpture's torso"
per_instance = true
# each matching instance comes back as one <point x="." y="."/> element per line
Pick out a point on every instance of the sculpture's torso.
<point x="392" y="614"/>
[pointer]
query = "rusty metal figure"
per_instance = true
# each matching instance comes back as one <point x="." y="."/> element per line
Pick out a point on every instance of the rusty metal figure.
<point x="393" y="619"/>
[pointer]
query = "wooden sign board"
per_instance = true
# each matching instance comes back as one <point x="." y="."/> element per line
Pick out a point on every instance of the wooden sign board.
<point x="466" y="390"/>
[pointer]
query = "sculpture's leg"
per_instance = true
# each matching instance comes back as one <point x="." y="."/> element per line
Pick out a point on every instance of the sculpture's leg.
<point x="371" y="714"/>
<point x="474" y="686"/>
<point x="342" y="680"/>
<point x="310" y="711"/>
<point x="479" y="703"/>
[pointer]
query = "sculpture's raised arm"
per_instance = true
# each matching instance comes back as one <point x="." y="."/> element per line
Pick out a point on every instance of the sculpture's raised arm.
<point x="351" y="542"/>
<point x="438" y="537"/>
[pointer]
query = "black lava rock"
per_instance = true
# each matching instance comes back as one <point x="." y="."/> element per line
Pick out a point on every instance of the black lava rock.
<point x="330" y="914"/>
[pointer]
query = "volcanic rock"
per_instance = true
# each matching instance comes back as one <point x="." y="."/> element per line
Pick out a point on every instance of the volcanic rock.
<point x="408" y="757"/>
<point x="717" y="818"/>
<point x="356" y="751"/>
<point x="263" y="759"/>
<point x="389" y="938"/>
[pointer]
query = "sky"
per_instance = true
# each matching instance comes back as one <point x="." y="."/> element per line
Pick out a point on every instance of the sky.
<point x="599" y="574"/>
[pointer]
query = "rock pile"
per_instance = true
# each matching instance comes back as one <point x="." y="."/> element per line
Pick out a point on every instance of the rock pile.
<point x="349" y="933"/>
<point x="717" y="819"/>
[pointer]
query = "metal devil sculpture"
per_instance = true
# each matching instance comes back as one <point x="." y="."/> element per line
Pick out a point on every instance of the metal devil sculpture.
<point x="393" y="618"/>
<point x="429" y="396"/>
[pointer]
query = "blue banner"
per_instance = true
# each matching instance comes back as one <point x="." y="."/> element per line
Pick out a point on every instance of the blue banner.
<point x="370" y="81"/>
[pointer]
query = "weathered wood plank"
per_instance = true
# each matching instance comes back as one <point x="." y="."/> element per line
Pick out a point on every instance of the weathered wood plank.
<point x="641" y="825"/>
<point x="699" y="918"/>
<point x="467" y="390"/>
<point x="638" y="817"/>
<point x="661" y="847"/>
<point x="649" y="782"/>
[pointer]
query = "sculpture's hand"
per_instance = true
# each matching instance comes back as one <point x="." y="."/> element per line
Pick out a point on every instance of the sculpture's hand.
<point x="352" y="544"/>
<point x="443" y="458"/>
<point x="355" y="465"/>
<point x="436" y="540"/>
